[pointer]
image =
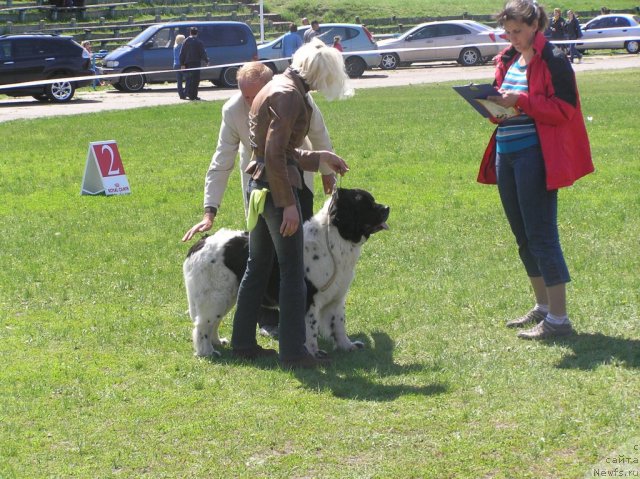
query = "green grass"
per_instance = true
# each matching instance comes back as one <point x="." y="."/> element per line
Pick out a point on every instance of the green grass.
<point x="98" y="377"/>
<point x="346" y="10"/>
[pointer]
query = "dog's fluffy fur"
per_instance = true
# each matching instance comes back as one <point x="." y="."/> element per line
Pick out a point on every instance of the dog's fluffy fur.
<point x="332" y="240"/>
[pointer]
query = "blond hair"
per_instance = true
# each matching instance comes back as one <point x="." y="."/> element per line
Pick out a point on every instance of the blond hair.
<point x="322" y="68"/>
<point x="254" y="72"/>
<point x="179" y="39"/>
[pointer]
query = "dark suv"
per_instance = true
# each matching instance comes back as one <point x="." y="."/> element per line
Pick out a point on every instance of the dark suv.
<point x="27" y="58"/>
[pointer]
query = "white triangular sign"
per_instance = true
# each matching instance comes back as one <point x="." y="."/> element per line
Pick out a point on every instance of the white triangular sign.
<point x="104" y="171"/>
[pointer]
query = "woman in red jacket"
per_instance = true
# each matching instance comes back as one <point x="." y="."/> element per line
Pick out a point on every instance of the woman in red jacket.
<point x="533" y="154"/>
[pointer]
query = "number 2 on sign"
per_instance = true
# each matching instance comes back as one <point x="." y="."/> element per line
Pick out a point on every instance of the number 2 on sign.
<point x="112" y="171"/>
<point x="108" y="158"/>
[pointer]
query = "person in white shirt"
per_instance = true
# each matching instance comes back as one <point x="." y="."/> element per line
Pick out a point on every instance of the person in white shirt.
<point x="234" y="138"/>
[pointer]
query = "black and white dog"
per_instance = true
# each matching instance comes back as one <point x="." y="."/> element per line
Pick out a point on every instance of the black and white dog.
<point x="332" y="240"/>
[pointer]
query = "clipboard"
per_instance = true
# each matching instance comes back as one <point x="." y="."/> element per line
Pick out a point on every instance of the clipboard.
<point x="476" y="96"/>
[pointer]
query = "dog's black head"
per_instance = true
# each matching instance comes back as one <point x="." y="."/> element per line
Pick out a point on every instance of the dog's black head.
<point x="357" y="215"/>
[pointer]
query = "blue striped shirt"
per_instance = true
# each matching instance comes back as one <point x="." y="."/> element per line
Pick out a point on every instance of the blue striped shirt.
<point x="519" y="132"/>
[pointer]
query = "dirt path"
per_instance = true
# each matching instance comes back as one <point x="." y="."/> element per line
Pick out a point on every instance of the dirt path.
<point x="165" y="94"/>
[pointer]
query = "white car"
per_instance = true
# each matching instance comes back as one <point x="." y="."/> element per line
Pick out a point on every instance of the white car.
<point x="465" y="41"/>
<point x="357" y="43"/>
<point x="602" y="30"/>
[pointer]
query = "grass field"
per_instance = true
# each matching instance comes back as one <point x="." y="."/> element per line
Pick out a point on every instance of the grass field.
<point x="98" y="378"/>
<point x="346" y="10"/>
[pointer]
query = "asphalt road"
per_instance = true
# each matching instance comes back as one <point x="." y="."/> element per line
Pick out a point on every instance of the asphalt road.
<point x="165" y="94"/>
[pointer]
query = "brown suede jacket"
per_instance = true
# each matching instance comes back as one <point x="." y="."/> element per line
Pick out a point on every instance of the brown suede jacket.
<point x="278" y="122"/>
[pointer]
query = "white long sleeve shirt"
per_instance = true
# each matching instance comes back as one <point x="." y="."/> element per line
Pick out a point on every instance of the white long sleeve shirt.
<point x="234" y="138"/>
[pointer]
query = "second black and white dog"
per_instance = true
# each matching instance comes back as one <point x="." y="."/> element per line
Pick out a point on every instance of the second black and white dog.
<point x="332" y="240"/>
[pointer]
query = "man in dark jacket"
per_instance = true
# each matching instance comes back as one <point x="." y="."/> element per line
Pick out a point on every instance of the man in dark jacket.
<point x="193" y="55"/>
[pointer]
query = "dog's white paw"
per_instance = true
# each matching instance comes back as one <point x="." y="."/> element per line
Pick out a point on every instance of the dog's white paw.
<point x="223" y="342"/>
<point x="321" y="354"/>
<point x="356" y="345"/>
<point x="209" y="353"/>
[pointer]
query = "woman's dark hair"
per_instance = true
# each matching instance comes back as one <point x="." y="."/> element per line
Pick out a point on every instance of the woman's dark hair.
<point x="293" y="28"/>
<point x="526" y="11"/>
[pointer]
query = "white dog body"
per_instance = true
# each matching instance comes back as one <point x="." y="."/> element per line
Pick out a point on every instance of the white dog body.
<point x="332" y="242"/>
<point x="330" y="265"/>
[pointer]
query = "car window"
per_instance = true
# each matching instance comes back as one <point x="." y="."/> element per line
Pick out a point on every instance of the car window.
<point x="450" y="29"/>
<point x="58" y="47"/>
<point x="162" y="39"/>
<point x="345" y="33"/>
<point x="5" y="50"/>
<point x="595" y="24"/>
<point x="425" y="32"/>
<point x="222" y="36"/>
<point x="27" y="49"/>
<point x="620" y="22"/>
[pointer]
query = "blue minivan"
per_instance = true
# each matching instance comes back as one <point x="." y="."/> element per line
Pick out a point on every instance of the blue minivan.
<point x="227" y="43"/>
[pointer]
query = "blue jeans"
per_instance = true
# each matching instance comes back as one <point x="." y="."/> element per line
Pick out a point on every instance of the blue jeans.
<point x="266" y="244"/>
<point x="532" y="212"/>
<point x="573" y="52"/>
<point x="180" y="82"/>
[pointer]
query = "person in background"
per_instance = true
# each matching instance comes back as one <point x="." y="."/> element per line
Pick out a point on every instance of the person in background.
<point x="557" y="25"/>
<point x="279" y="119"/>
<point x="312" y="32"/>
<point x="573" y="33"/>
<point x="193" y="55"/>
<point x="233" y="138"/>
<point x="291" y="41"/>
<point x="87" y="46"/>
<point x="177" y="48"/>
<point x="336" y="43"/>
<point x="304" y="21"/>
<point x="532" y="155"/>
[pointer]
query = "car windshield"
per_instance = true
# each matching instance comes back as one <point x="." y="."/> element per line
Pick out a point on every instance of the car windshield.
<point x="142" y="37"/>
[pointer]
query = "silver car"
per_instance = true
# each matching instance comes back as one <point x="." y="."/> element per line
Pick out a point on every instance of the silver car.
<point x="612" y="31"/>
<point x="357" y="42"/>
<point x="465" y="41"/>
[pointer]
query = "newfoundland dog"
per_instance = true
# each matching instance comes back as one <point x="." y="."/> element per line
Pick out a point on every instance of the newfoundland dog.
<point x="332" y="240"/>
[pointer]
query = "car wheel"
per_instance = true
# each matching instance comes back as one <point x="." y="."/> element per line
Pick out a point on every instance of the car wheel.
<point x="118" y="86"/>
<point x="632" y="46"/>
<point x="355" y="67"/>
<point x="469" y="57"/>
<point x="132" y="83"/>
<point x="60" y="91"/>
<point x="390" y="61"/>
<point x="228" y="77"/>
<point x="41" y="97"/>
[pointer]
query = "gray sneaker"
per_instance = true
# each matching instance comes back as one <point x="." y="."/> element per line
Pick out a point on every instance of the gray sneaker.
<point x="532" y="317"/>
<point x="269" y="331"/>
<point x="546" y="330"/>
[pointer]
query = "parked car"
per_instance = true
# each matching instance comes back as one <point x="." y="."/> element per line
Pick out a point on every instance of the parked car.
<point x="357" y="44"/>
<point x="600" y="30"/>
<point x="226" y="43"/>
<point x="466" y="41"/>
<point x="26" y="58"/>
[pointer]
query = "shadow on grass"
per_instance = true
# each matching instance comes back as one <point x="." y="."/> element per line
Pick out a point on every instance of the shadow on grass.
<point x="593" y="350"/>
<point x="356" y="374"/>
<point x="353" y="375"/>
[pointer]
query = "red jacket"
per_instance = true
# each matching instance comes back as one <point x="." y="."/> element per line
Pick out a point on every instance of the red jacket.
<point x="554" y="105"/>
